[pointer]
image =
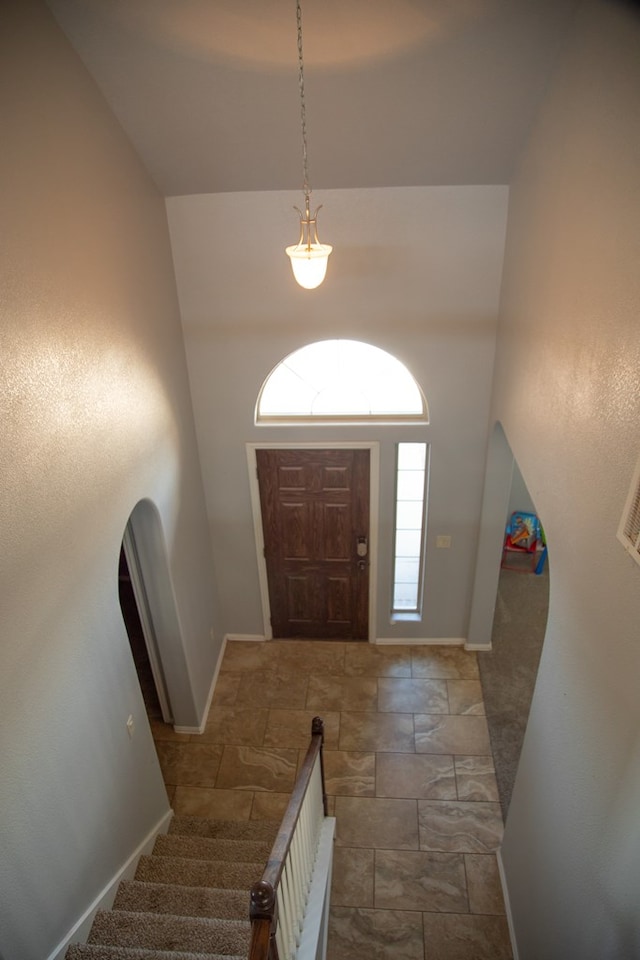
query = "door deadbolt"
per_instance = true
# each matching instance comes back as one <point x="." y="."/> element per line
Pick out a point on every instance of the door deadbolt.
<point x="362" y="547"/>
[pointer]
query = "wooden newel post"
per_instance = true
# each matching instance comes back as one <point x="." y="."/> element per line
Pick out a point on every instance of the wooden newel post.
<point x="317" y="729"/>
<point x="263" y="913"/>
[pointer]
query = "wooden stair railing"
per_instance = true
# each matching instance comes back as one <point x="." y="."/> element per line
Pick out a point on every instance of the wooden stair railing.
<point x="279" y="898"/>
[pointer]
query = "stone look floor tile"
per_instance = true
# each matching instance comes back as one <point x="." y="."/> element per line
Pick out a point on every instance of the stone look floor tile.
<point x="269" y="806"/>
<point x="257" y="768"/>
<point x="379" y="732"/>
<point x="292" y="728"/>
<point x="226" y="689"/>
<point x="368" y="660"/>
<point x="359" y="934"/>
<point x="417" y="817"/>
<point x="373" y="822"/>
<point x="421" y="776"/>
<point x="412" y="880"/>
<point x="460" y="937"/>
<point x="189" y="764"/>
<point x="445" y="662"/>
<point x="476" y="778"/>
<point x="350" y="774"/>
<point x="317" y="657"/>
<point x="342" y="693"/>
<point x="352" y="884"/>
<point x="483" y="882"/>
<point x="465" y="696"/>
<point x="242" y="726"/>
<point x="461" y="827"/>
<point x="452" y="734"/>
<point x="217" y="804"/>
<point x="165" y="731"/>
<point x="270" y="689"/>
<point x="400" y="695"/>
<point x="241" y="655"/>
<point x="302" y="753"/>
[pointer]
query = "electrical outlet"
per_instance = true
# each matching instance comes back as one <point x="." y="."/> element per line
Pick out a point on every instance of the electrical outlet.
<point x="130" y="726"/>
<point x="443" y="542"/>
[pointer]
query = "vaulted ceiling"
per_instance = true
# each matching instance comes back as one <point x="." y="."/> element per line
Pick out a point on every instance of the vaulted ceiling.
<point x="398" y="92"/>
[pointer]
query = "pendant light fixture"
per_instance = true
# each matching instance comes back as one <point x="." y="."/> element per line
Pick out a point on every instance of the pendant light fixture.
<point x="308" y="256"/>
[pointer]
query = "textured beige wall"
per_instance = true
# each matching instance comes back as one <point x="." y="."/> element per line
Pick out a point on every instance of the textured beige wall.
<point x="567" y="391"/>
<point x="96" y="416"/>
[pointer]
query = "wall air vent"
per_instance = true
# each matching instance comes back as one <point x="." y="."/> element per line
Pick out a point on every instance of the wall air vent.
<point x="629" y="529"/>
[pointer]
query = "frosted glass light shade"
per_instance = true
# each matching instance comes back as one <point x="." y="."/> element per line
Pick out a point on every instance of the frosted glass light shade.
<point x="309" y="263"/>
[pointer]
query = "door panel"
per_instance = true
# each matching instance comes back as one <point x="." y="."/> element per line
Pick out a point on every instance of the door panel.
<point x="315" y="506"/>
<point x="295" y="520"/>
<point x="335" y="542"/>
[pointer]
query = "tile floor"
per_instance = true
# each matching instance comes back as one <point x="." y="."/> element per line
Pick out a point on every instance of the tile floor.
<point x="409" y="777"/>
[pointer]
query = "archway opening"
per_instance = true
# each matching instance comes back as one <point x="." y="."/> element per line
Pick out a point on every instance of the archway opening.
<point x="138" y="623"/>
<point x="511" y="606"/>
<point x="148" y="563"/>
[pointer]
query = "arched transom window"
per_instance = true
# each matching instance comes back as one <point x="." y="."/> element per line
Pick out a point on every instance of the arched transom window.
<point x="346" y="380"/>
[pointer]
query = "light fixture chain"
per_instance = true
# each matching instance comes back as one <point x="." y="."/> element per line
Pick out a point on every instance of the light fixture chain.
<point x="303" y="110"/>
<point x="308" y="256"/>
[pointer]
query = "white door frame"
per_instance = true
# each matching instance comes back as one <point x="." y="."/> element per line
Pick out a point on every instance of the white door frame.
<point x="373" y="447"/>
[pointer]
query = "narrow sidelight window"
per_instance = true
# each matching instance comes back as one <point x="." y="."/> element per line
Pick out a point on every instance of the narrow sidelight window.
<point x="411" y="494"/>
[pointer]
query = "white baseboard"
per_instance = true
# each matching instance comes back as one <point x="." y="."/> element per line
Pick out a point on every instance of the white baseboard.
<point x="80" y="930"/>
<point x="228" y="637"/>
<point x="486" y="647"/>
<point x="507" y="905"/>
<point x="422" y="641"/>
<point x="246" y="637"/>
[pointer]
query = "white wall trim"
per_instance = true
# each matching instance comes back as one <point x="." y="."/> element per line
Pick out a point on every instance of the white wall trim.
<point x="507" y="904"/>
<point x="203" y="720"/>
<point x="228" y="638"/>
<point x="422" y="641"/>
<point x="245" y="637"/>
<point x="486" y="647"/>
<point x="190" y="731"/>
<point x="80" y="930"/>
<point x="373" y="446"/>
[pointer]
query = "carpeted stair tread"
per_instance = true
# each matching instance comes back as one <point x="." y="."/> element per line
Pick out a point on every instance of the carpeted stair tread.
<point x="98" y="951"/>
<point x="136" y="895"/>
<point x="189" y="899"/>
<point x="199" y="873"/>
<point x="229" y="829"/>
<point x="161" y="931"/>
<point x="212" y="848"/>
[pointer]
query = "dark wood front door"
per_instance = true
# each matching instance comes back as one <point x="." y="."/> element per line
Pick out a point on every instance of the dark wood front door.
<point x="315" y="520"/>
